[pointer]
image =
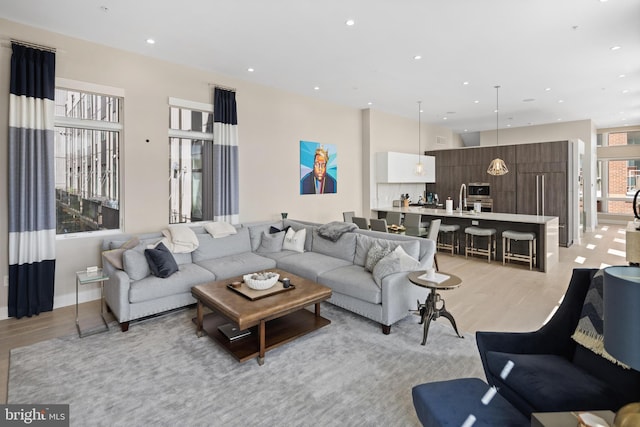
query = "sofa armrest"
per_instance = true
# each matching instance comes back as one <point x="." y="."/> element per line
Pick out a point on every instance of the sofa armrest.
<point x="116" y="294"/>
<point x="399" y="296"/>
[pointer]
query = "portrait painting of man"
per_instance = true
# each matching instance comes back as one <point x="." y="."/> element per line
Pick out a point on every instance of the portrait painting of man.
<point x="318" y="168"/>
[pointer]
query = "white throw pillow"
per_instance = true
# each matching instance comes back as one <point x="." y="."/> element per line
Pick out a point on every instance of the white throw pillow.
<point x="294" y="240"/>
<point x="219" y="229"/>
<point x="394" y="262"/>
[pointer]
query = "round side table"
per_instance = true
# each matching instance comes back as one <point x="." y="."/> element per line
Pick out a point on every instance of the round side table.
<point x="429" y="310"/>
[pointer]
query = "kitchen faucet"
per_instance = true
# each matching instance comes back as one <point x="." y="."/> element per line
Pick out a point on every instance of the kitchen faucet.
<point x="463" y="190"/>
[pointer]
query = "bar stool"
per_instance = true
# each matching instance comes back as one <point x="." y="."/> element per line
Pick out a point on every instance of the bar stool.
<point x="508" y="254"/>
<point x="455" y="239"/>
<point x="470" y="244"/>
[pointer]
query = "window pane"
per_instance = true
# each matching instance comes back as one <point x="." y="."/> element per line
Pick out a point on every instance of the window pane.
<point x="185" y="189"/>
<point x="87" y="184"/>
<point x="87" y="106"/>
<point x="624" y="138"/>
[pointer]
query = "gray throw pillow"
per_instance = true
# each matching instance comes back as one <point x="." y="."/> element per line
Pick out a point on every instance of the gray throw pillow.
<point x="375" y="254"/>
<point x="271" y="242"/>
<point x="134" y="262"/>
<point x="395" y="262"/>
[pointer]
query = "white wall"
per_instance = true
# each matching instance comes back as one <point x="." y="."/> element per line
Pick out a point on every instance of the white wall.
<point x="271" y="124"/>
<point x="388" y="132"/>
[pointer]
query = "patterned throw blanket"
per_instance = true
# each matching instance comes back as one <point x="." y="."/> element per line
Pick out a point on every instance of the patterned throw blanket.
<point x="590" y="329"/>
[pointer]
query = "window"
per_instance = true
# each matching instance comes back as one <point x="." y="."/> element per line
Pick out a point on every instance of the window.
<point x="618" y="172"/>
<point x="88" y="127"/>
<point x="190" y="151"/>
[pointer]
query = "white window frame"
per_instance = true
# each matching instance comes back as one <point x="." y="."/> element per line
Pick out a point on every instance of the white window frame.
<point x="62" y="83"/>
<point x="189" y="134"/>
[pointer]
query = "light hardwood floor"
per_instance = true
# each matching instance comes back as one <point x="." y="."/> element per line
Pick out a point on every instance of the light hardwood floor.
<point x="491" y="297"/>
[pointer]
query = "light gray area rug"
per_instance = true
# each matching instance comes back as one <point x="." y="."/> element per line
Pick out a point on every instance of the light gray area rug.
<point x="160" y="374"/>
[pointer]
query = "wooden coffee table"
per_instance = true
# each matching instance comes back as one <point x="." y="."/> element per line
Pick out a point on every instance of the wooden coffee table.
<point x="273" y="320"/>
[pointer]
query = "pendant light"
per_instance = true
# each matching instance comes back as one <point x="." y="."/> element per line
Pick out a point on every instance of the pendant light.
<point x="419" y="167"/>
<point x="497" y="166"/>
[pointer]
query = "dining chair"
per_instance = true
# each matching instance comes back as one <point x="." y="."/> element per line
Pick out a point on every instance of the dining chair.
<point x="413" y="224"/>
<point x="394" y="218"/>
<point x="361" y="222"/>
<point x="348" y="216"/>
<point x="434" y="229"/>
<point x="379" y="225"/>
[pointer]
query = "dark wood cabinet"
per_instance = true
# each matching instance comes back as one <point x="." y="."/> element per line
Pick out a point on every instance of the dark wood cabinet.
<point x="546" y="163"/>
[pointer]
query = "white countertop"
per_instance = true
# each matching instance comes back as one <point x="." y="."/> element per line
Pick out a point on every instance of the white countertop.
<point x="489" y="216"/>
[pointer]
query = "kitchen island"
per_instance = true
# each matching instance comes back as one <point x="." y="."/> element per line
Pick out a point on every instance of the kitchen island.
<point x="546" y="229"/>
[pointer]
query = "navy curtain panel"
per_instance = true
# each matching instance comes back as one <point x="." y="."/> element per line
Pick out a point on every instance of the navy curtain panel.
<point x="32" y="209"/>
<point x="225" y="157"/>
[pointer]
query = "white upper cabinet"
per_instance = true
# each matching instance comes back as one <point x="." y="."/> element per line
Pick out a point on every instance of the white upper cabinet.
<point x="401" y="168"/>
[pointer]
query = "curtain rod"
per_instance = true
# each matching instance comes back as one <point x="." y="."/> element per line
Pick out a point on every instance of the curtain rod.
<point x="232" y="89"/>
<point x="33" y="45"/>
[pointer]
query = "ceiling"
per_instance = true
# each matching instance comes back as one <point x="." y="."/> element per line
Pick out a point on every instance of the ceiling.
<point x="552" y="58"/>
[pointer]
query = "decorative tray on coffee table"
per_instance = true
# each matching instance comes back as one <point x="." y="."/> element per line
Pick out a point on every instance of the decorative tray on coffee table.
<point x="253" y="294"/>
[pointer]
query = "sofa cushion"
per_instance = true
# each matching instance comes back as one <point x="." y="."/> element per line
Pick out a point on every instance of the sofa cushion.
<point x="211" y="247"/>
<point x="271" y="242"/>
<point x="344" y="248"/>
<point x="278" y="255"/>
<point x="364" y="242"/>
<point x="236" y="265"/>
<point x="551" y="383"/>
<point x="395" y="262"/>
<point x="114" y="256"/>
<point x="161" y="262"/>
<point x="152" y="287"/>
<point x="255" y="232"/>
<point x="295" y="240"/>
<point x="310" y="264"/>
<point x="354" y="281"/>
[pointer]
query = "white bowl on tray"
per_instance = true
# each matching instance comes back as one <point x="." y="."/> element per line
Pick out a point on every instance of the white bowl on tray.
<point x="261" y="281"/>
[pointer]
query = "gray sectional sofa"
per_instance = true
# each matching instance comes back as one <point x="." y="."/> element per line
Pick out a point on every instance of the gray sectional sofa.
<point x="132" y="292"/>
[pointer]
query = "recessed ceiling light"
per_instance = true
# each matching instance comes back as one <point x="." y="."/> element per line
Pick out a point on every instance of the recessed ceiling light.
<point x="151" y="41"/>
<point x="316" y="88"/>
<point x="476" y="102"/>
<point x="560" y="101"/>
<point x="350" y="22"/>
<point x="616" y="47"/>
<point x="369" y="103"/>
<point x="444" y="118"/>
<point x="251" y="70"/>
<point x="417" y="57"/>
<point x="508" y="125"/>
<point x="559" y="120"/>
<point x="625" y="91"/>
<point x="621" y="76"/>
<point x="547" y="89"/>
<point x="465" y="83"/>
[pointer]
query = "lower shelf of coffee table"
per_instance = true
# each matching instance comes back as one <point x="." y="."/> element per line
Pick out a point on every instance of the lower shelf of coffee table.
<point x="277" y="332"/>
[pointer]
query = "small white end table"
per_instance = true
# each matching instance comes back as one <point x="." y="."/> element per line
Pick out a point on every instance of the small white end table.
<point x="85" y="278"/>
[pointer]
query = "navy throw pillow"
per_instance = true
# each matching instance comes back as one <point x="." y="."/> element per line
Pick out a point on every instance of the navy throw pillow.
<point x="161" y="261"/>
<point x="274" y="230"/>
